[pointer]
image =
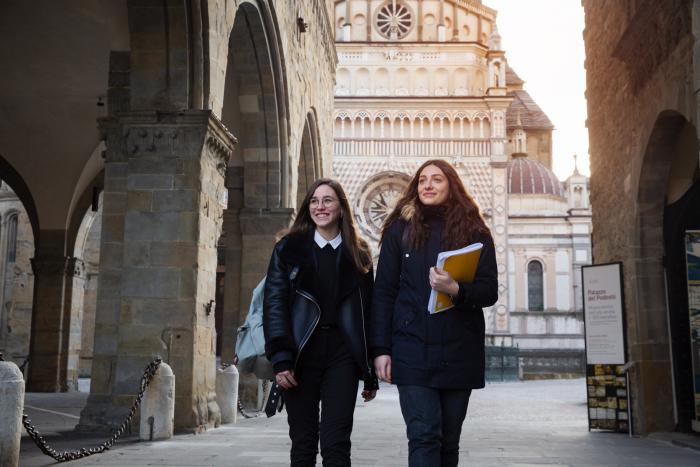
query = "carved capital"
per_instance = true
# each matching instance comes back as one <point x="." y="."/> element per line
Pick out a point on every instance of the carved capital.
<point x="192" y="133"/>
<point x="48" y="265"/>
<point x="155" y="140"/>
<point x="75" y="267"/>
<point x="220" y="151"/>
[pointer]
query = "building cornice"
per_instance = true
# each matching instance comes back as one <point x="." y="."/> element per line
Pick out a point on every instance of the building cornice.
<point x="450" y="44"/>
<point x="436" y="99"/>
<point x="478" y="8"/>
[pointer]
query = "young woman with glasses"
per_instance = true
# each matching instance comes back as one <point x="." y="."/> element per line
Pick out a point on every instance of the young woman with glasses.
<point x="316" y="316"/>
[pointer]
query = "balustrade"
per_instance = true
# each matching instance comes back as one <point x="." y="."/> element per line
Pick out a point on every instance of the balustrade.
<point x="439" y="147"/>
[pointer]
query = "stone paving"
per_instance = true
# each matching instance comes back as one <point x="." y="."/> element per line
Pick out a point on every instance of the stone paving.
<point x="523" y="424"/>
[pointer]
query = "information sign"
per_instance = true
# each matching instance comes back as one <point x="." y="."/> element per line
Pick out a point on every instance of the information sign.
<point x="606" y="376"/>
<point x="692" y="254"/>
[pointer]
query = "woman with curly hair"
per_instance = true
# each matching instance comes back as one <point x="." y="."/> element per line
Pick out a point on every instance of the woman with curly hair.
<point x="434" y="359"/>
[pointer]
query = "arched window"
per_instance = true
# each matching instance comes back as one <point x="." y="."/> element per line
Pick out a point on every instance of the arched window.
<point x="535" y="287"/>
<point x="12" y="239"/>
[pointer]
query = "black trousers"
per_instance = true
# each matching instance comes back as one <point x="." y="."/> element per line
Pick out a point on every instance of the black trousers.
<point x="327" y="375"/>
<point x="434" y="420"/>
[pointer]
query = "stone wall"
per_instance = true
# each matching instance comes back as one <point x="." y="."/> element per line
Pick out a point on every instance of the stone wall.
<point x="640" y="87"/>
<point x="17" y="279"/>
<point x="266" y="99"/>
<point x="310" y="63"/>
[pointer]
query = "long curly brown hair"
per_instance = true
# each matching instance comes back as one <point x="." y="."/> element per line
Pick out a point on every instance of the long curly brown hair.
<point x="463" y="222"/>
<point x="354" y="244"/>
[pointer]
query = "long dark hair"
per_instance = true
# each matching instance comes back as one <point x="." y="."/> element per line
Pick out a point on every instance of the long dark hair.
<point x="463" y="222"/>
<point x="352" y="242"/>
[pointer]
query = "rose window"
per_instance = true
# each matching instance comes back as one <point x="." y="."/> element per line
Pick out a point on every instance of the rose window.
<point x="377" y="201"/>
<point x="394" y="20"/>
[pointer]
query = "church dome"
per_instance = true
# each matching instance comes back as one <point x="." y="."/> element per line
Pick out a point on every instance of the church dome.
<point x="530" y="177"/>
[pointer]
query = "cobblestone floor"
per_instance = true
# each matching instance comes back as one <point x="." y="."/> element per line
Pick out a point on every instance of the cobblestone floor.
<point x="523" y="424"/>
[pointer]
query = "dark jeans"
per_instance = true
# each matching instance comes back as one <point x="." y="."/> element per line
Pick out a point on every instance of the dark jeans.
<point x="327" y="374"/>
<point x="434" y="420"/>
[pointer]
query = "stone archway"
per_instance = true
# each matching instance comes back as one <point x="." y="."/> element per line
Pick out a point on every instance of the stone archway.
<point x="18" y="225"/>
<point x="86" y="252"/>
<point x="254" y="110"/>
<point x="309" y="167"/>
<point x="671" y="138"/>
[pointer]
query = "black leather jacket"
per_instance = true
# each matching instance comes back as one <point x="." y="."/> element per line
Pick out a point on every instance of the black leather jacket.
<point x="291" y="311"/>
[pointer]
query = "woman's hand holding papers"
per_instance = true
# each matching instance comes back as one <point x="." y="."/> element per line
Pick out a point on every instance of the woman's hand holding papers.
<point x="441" y="281"/>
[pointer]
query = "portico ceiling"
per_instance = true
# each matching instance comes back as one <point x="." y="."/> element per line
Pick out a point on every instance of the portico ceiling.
<point x="55" y="57"/>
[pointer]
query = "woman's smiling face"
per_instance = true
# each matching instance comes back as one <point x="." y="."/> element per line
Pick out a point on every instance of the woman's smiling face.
<point x="433" y="187"/>
<point x="324" y="207"/>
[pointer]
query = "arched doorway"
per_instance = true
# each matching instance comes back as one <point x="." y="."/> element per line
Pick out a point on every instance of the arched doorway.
<point x="668" y="202"/>
<point x="254" y="109"/>
<point x="17" y="243"/>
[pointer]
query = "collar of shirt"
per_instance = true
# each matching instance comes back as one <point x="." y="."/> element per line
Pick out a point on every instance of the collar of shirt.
<point x="321" y="242"/>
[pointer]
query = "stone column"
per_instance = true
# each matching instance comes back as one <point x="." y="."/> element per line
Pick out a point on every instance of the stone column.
<point x="499" y="212"/>
<point x="258" y="229"/>
<point x="164" y="181"/>
<point x="74" y="295"/>
<point x="257" y="238"/>
<point x="47" y="364"/>
<point x="499" y="230"/>
<point x="696" y="62"/>
<point x="232" y="314"/>
<point x="11" y="408"/>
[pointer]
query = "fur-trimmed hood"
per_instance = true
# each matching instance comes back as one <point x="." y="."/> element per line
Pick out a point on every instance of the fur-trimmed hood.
<point x="408" y="211"/>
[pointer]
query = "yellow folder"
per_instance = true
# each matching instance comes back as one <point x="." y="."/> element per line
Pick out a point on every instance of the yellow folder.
<point x="461" y="265"/>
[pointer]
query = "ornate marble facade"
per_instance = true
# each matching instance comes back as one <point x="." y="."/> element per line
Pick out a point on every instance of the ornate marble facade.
<point x="424" y="79"/>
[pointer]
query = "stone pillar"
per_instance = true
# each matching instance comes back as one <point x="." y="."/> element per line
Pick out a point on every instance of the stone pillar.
<point x="232" y="281"/>
<point x="158" y="406"/>
<point x="696" y="62"/>
<point x="11" y="408"/>
<point x="164" y="179"/>
<point x="441" y="28"/>
<point x="50" y="321"/>
<point x="257" y="237"/>
<point x="499" y="220"/>
<point x="74" y="299"/>
<point x="227" y="393"/>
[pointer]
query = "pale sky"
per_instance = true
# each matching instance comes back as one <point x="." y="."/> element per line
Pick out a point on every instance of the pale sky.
<point x="543" y="41"/>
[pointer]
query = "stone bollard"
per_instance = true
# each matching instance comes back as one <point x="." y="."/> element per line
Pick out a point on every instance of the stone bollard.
<point x="227" y="393"/>
<point x="11" y="408"/>
<point x="158" y="406"/>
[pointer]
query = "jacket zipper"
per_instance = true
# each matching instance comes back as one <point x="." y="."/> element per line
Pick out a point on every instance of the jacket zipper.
<point x="308" y="334"/>
<point x="364" y="334"/>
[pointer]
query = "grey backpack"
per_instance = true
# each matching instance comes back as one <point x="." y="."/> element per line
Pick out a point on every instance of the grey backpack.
<point x="250" y="343"/>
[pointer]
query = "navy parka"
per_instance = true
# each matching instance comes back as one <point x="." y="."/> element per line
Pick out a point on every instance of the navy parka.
<point x="444" y="350"/>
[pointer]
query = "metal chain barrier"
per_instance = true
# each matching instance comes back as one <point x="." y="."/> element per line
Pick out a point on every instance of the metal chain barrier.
<point x="257" y="413"/>
<point x="242" y="411"/>
<point x="148" y="374"/>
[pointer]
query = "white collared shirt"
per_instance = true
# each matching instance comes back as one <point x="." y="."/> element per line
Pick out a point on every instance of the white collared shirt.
<point x="321" y="242"/>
